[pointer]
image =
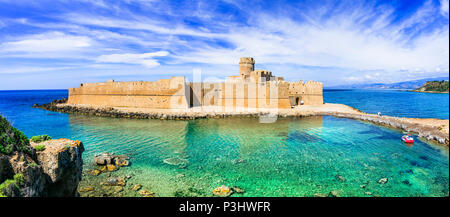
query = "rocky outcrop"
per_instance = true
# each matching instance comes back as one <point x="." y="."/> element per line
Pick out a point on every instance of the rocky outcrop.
<point x="105" y="159"/>
<point x="115" y="113"/>
<point x="52" y="172"/>
<point x="107" y="162"/>
<point x="51" y="168"/>
<point x="420" y="127"/>
<point x="62" y="164"/>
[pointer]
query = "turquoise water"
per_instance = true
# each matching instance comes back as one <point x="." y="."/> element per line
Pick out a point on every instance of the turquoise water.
<point x="291" y="157"/>
<point x="392" y="102"/>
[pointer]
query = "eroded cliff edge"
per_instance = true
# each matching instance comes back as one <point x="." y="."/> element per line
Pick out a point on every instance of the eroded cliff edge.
<point x="51" y="168"/>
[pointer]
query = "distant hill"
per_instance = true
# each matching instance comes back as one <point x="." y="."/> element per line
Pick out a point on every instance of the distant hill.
<point x="434" y="86"/>
<point x="405" y="85"/>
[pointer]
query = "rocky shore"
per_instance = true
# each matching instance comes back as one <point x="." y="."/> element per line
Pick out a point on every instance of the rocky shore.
<point x="431" y="129"/>
<point x="49" y="168"/>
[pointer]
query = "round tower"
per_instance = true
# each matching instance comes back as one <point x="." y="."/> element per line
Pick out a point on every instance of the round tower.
<point x="246" y="65"/>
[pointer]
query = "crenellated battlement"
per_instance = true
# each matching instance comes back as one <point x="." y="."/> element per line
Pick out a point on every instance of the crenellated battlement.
<point x="251" y="89"/>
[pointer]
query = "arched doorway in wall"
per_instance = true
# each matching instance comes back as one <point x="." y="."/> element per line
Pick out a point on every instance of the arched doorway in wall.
<point x="297" y="101"/>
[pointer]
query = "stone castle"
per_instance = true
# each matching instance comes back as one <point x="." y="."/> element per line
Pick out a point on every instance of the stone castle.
<point x="252" y="89"/>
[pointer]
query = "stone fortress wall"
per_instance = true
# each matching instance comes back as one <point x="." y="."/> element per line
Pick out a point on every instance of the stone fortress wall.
<point x="251" y="89"/>
<point x="163" y="94"/>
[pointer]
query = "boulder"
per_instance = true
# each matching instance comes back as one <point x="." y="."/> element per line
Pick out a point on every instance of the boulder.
<point x="340" y="178"/>
<point x="136" y="187"/>
<point x="111" y="167"/>
<point x="383" y="181"/>
<point x="86" y="189"/>
<point x="319" y="195"/>
<point x="146" y="193"/>
<point x="222" y="191"/>
<point x="93" y="172"/>
<point x="238" y="190"/>
<point x="115" y="182"/>
<point x="104" y="159"/>
<point x="107" y="159"/>
<point x="334" y="193"/>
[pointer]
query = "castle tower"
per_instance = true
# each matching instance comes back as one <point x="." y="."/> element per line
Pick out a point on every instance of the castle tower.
<point x="246" y="64"/>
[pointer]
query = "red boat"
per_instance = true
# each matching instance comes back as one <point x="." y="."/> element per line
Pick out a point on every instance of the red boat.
<point x="407" y="139"/>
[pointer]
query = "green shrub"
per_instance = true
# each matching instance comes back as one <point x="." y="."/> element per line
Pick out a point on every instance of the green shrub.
<point x="36" y="139"/>
<point x="40" y="138"/>
<point x="7" y="149"/>
<point x="34" y="164"/>
<point x="39" y="147"/>
<point x="46" y="137"/>
<point x="12" y="139"/>
<point x="19" y="179"/>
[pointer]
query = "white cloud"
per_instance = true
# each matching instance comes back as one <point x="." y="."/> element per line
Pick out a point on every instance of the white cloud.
<point x="342" y="41"/>
<point x="56" y="44"/>
<point x="362" y="39"/>
<point x="444" y="7"/>
<point x="146" y="59"/>
<point x="136" y="23"/>
<point x="350" y="41"/>
<point x="29" y="69"/>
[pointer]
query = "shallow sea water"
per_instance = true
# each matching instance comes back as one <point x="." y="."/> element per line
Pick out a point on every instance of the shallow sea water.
<point x="291" y="157"/>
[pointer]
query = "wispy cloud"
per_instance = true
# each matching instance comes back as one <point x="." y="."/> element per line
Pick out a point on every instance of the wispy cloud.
<point x="334" y="42"/>
<point x="56" y="44"/>
<point x="146" y="59"/>
<point x="444" y="7"/>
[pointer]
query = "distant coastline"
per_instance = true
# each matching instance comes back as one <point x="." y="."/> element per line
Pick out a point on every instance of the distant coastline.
<point x="418" y="91"/>
<point x="434" y="87"/>
<point x="404" y="85"/>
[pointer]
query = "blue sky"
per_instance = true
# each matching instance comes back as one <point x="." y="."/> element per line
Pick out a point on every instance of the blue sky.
<point x="49" y="44"/>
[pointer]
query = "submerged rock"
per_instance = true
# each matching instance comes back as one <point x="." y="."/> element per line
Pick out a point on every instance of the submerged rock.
<point x="175" y="161"/>
<point x="238" y="190"/>
<point x="121" y="160"/>
<point x="111" y="167"/>
<point x="406" y="182"/>
<point x="118" y="189"/>
<point x="383" y="181"/>
<point x="146" y="193"/>
<point x="334" y="193"/>
<point x="86" y="189"/>
<point x="238" y="161"/>
<point x="319" y="195"/>
<point x="112" y="162"/>
<point x="340" y="178"/>
<point x="222" y="191"/>
<point x="104" y="159"/>
<point x="136" y="187"/>
<point x="94" y="172"/>
<point x="114" y="182"/>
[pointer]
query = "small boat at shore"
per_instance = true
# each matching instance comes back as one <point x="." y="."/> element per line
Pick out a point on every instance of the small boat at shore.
<point x="407" y="138"/>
